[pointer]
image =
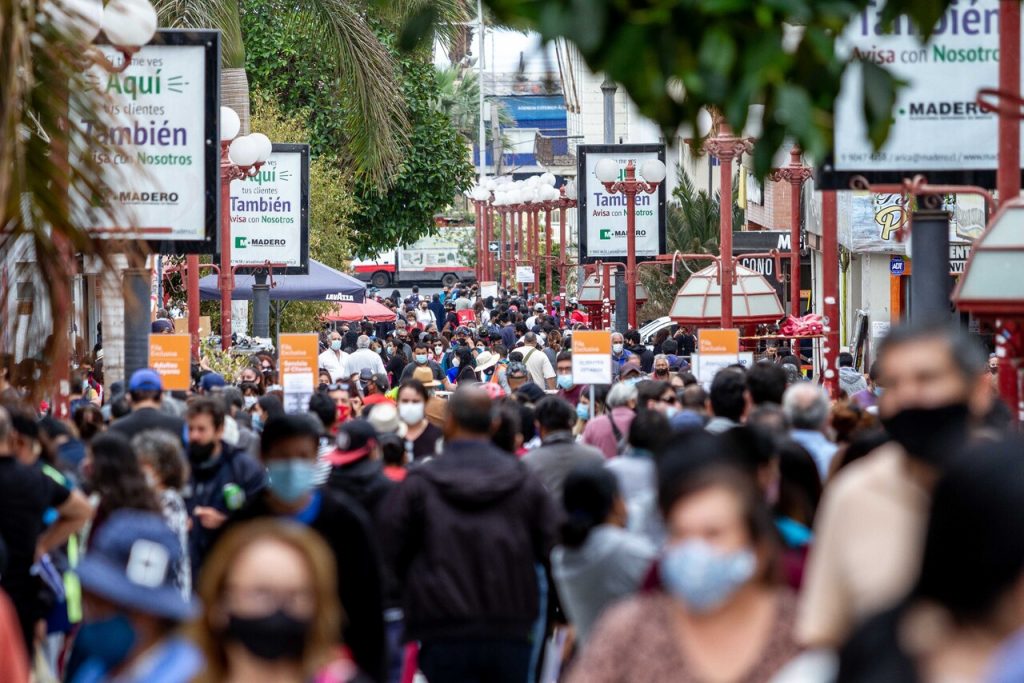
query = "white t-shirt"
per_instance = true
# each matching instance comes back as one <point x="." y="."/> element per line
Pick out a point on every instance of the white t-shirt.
<point x="537" y="364"/>
<point x="425" y="317"/>
<point x="334" y="362"/>
<point x="364" y="358"/>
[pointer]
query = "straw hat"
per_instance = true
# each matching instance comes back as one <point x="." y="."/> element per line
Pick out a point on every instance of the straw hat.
<point x="425" y="376"/>
<point x="486" y="360"/>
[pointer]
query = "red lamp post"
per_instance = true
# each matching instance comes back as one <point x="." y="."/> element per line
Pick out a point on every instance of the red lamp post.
<point x="796" y="173"/>
<point x="566" y="200"/>
<point x="240" y="157"/>
<point x="653" y="172"/>
<point x="725" y="147"/>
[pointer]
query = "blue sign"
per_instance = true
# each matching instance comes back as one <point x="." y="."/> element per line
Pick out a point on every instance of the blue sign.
<point x="896" y="265"/>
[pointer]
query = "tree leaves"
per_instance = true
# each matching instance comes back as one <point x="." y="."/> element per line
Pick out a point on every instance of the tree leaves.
<point x="729" y="55"/>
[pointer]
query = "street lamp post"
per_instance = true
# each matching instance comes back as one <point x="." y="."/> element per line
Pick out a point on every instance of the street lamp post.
<point x="652" y="174"/>
<point x="795" y="174"/>
<point x="566" y="200"/>
<point x="725" y="147"/>
<point x="240" y="158"/>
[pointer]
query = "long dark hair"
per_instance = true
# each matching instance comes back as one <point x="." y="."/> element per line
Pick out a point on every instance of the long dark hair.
<point x="588" y="496"/>
<point x="117" y="477"/>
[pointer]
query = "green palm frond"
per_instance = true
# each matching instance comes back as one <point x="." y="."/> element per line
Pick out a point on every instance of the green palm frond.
<point x="378" y="125"/>
<point x="50" y="169"/>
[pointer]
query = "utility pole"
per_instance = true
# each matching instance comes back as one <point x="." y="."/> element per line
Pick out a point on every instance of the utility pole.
<point x="609" y="88"/>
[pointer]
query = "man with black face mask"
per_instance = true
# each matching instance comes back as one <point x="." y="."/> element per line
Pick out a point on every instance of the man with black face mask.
<point x="870" y="525"/>
<point x="222" y="478"/>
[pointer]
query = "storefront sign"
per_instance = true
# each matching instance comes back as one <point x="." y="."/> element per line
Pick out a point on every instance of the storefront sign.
<point x="602" y="216"/>
<point x="938" y="128"/>
<point x="270" y="213"/>
<point x="161" y="179"/>
<point x="524" y="275"/>
<point x="871" y="223"/>
<point x="591" y="357"/>
<point x="170" y="356"/>
<point x="298" y="367"/>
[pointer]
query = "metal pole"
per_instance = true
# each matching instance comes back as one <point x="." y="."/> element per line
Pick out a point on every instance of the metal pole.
<point x="630" y="192"/>
<point x="226" y="280"/>
<point x="260" y="305"/>
<point x="478" y="224"/>
<point x="547" y="254"/>
<point x="480" y="78"/>
<point x="561" y="251"/>
<point x="929" y="282"/>
<point x="608" y="88"/>
<point x="830" y="289"/>
<point x="1008" y="173"/>
<point x="135" y="287"/>
<point x="606" y="286"/>
<point x="725" y="237"/>
<point x="192" y="298"/>
<point x="536" y="250"/>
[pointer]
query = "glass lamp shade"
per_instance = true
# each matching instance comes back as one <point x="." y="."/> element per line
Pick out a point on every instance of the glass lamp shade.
<point x="704" y="123"/>
<point x="548" y="179"/>
<point x="570" y="189"/>
<point x="230" y="124"/>
<point x="129" y="23"/>
<point x="699" y="301"/>
<point x="79" y="19"/>
<point x="264" y="146"/>
<point x="607" y="171"/>
<point x="653" y="171"/>
<point x="991" y="283"/>
<point x="592" y="290"/>
<point x="244" y="151"/>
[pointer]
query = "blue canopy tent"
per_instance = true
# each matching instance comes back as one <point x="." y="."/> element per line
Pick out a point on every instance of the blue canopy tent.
<point x="323" y="283"/>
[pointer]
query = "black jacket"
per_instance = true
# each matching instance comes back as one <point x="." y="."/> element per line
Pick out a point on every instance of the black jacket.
<point x="364" y="481"/>
<point x="212" y="485"/>
<point x="463" y="534"/>
<point x="645" y="355"/>
<point x="343" y="525"/>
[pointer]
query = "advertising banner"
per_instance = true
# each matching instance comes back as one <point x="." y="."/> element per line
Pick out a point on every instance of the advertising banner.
<point x="602" y="216"/>
<point x="170" y="356"/>
<point x="938" y="127"/>
<point x="270" y="213"/>
<point x="591" y="357"/>
<point x="298" y="364"/>
<point x="163" y="117"/>
<point x="870" y="223"/>
<point x="717" y="349"/>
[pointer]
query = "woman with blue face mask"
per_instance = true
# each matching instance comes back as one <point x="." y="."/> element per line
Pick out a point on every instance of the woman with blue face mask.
<point x="721" y="613"/>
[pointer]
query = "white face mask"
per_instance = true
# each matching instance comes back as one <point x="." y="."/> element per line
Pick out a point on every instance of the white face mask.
<point x="438" y="350"/>
<point x="249" y="401"/>
<point x="616" y="348"/>
<point x="410" y="413"/>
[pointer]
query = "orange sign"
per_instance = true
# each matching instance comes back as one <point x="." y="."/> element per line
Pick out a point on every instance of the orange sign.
<point x="298" y="360"/>
<point x="718" y="342"/>
<point x="181" y="326"/>
<point x="169" y="355"/>
<point x="591" y="342"/>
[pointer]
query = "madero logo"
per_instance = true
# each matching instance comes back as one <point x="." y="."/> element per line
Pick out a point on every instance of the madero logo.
<point x="608" y="233"/>
<point x="605" y="234"/>
<point x="243" y="242"/>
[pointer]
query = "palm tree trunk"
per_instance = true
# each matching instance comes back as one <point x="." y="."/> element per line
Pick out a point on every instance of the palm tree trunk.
<point x="234" y="93"/>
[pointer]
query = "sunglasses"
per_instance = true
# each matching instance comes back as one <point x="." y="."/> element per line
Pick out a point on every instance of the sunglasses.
<point x="337" y="386"/>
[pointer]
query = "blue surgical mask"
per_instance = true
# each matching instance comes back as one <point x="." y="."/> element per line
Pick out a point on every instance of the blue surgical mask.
<point x="582" y="411"/>
<point x="671" y="412"/>
<point x="291" y="479"/>
<point x="564" y="381"/>
<point x="703" y="577"/>
<point x="106" y="642"/>
<point x="420" y="358"/>
<point x="336" y="345"/>
<point x="257" y="423"/>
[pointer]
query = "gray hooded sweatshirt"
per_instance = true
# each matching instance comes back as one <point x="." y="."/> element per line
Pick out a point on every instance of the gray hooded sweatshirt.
<point x="609" y="566"/>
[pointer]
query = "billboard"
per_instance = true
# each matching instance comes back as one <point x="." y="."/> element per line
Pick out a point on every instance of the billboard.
<point x="602" y="216"/>
<point x="163" y="114"/>
<point x="938" y="128"/>
<point x="870" y="223"/>
<point x="270" y="212"/>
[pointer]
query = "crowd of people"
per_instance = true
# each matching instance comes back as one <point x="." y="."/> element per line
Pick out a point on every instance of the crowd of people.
<point x="453" y="505"/>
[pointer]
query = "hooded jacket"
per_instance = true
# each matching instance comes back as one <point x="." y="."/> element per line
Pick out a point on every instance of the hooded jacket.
<point x="463" y="534"/>
<point x="364" y="481"/>
<point x="851" y="381"/>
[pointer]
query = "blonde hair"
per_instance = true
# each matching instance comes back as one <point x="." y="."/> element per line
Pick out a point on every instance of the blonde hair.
<point x="325" y="631"/>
